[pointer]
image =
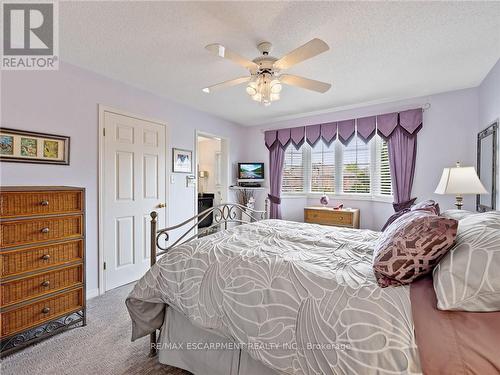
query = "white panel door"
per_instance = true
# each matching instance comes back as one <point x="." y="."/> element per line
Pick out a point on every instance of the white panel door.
<point x="134" y="176"/>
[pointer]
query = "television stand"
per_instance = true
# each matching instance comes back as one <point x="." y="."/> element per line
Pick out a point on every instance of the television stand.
<point x="250" y="184"/>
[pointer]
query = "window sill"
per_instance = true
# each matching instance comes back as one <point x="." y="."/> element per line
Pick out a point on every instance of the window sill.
<point x="354" y="197"/>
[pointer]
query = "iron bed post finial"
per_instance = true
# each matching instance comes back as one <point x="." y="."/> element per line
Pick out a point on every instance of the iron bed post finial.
<point x="154" y="216"/>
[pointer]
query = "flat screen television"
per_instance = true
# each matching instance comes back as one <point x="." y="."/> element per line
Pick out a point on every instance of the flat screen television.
<point x="251" y="171"/>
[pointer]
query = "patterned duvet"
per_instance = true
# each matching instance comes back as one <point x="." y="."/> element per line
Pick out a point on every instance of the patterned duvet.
<point x="300" y="298"/>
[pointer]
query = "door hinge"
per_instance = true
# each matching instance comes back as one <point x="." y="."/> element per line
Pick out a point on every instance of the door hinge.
<point x="104" y="132"/>
<point x="104" y="265"/>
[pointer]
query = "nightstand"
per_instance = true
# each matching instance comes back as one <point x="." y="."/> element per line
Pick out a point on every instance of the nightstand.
<point x="328" y="216"/>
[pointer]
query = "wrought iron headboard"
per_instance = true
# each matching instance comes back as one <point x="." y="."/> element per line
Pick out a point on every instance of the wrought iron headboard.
<point x="223" y="214"/>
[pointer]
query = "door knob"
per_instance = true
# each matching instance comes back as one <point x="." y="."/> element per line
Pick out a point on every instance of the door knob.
<point x="162" y="205"/>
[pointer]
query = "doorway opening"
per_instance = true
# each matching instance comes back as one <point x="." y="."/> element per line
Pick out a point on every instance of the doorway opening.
<point x="212" y="171"/>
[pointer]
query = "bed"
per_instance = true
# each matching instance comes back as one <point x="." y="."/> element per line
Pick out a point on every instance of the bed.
<point x="274" y="296"/>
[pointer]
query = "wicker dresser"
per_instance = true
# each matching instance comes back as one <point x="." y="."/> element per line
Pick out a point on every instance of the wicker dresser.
<point x="42" y="263"/>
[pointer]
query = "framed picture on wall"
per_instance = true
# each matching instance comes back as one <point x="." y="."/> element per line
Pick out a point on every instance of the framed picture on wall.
<point x="182" y="161"/>
<point x="21" y="146"/>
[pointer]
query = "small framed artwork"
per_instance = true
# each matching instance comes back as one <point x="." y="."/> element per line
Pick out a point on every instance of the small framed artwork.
<point x="22" y="146"/>
<point x="182" y="161"/>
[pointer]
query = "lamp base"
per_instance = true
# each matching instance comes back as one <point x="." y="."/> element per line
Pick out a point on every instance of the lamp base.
<point x="459" y="202"/>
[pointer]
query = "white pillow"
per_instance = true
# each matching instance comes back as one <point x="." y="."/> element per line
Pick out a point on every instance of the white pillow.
<point x="468" y="276"/>
<point x="456" y="214"/>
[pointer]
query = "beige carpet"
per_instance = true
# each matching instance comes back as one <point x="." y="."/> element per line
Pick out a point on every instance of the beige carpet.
<point x="102" y="347"/>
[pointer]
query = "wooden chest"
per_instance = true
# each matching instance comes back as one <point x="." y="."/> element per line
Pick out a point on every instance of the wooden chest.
<point x="328" y="216"/>
<point x="42" y="263"/>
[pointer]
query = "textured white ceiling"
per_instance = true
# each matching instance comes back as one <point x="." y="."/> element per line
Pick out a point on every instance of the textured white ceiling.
<point x="379" y="50"/>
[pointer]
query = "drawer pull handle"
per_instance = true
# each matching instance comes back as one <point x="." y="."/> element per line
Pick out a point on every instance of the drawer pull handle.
<point x="45" y="230"/>
<point x="45" y="310"/>
<point x="45" y="257"/>
<point x="44" y="203"/>
<point x="46" y="283"/>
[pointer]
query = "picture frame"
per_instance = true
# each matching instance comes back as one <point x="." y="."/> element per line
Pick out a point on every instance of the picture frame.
<point x="22" y="146"/>
<point x="182" y="161"/>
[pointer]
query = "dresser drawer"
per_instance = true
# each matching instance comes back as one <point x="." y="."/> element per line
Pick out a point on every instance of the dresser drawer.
<point x="328" y="217"/>
<point x="33" y="286"/>
<point x="40" y="257"/>
<point x="17" y="204"/>
<point x="22" y="232"/>
<point x="24" y="317"/>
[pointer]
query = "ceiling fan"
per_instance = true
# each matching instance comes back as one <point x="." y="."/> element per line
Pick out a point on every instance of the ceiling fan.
<point x="265" y="79"/>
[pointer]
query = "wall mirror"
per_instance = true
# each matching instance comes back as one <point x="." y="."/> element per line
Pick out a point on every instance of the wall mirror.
<point x="487" y="169"/>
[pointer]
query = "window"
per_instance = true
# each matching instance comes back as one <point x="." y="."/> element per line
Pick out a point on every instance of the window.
<point x="323" y="168"/>
<point x="355" y="169"/>
<point x="384" y="171"/>
<point x="293" y="170"/>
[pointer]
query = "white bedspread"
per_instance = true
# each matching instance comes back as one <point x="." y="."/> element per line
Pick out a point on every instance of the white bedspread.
<point x="301" y="298"/>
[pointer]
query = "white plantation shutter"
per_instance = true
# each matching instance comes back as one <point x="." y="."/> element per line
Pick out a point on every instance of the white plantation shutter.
<point x="356" y="167"/>
<point x="293" y="171"/>
<point x="384" y="170"/>
<point x="322" y="168"/>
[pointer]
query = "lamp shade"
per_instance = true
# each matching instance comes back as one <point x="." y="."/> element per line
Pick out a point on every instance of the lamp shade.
<point x="460" y="181"/>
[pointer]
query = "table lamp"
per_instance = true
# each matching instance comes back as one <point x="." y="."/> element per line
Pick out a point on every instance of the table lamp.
<point x="460" y="181"/>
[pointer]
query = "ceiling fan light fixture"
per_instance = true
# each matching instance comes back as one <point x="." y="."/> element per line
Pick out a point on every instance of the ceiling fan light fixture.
<point x="265" y="82"/>
<point x="257" y="97"/>
<point x="251" y="90"/>
<point x="276" y="86"/>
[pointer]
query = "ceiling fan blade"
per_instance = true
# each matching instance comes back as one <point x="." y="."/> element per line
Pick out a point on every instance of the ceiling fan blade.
<point x="222" y="85"/>
<point x="221" y="51"/>
<point x="312" y="48"/>
<point x="305" y="83"/>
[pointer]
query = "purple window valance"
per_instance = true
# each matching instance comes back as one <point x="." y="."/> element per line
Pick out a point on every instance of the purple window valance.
<point x="386" y="124"/>
<point x="298" y="136"/>
<point x="329" y="132"/>
<point x="346" y="130"/>
<point x="411" y="120"/>
<point x="313" y="133"/>
<point x="284" y="136"/>
<point x="365" y="127"/>
<point x="270" y="137"/>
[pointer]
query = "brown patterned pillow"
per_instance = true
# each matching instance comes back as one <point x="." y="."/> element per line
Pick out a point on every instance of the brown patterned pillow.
<point x="411" y="246"/>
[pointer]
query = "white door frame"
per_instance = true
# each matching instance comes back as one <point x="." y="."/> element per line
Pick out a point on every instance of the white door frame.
<point x="100" y="237"/>
<point x="225" y="167"/>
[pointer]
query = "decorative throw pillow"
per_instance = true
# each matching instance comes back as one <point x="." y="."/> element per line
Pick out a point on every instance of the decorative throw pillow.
<point x="411" y="246"/>
<point x="428" y="205"/>
<point x="456" y="214"/>
<point x="468" y="277"/>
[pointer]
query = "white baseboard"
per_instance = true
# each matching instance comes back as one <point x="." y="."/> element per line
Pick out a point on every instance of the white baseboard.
<point x="91" y="293"/>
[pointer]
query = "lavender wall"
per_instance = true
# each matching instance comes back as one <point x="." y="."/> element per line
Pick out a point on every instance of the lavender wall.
<point x="489" y="108"/>
<point x="66" y="102"/>
<point x="448" y="135"/>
